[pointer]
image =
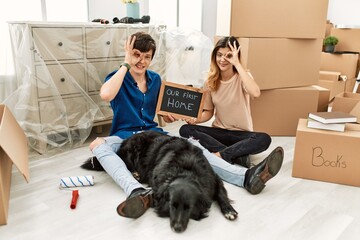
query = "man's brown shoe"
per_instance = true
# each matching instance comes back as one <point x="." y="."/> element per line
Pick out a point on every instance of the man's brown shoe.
<point x="257" y="176"/>
<point x="136" y="204"/>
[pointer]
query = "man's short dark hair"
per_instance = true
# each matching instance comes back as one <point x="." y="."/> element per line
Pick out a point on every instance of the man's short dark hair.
<point x="144" y="42"/>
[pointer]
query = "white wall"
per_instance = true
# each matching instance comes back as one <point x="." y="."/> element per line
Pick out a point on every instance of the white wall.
<point x="223" y="22"/>
<point x="209" y="17"/>
<point x="340" y="12"/>
<point x="344" y="12"/>
<point x="109" y="9"/>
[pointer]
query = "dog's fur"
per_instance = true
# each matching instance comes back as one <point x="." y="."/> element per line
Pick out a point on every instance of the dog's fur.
<point x="183" y="182"/>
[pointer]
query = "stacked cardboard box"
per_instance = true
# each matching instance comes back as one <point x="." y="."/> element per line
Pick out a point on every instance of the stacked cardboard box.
<point x="348" y="39"/>
<point x="281" y="62"/>
<point x="330" y="156"/>
<point x="282" y="108"/>
<point x="281" y="44"/>
<point x="334" y="81"/>
<point x="346" y="102"/>
<point x="346" y="58"/>
<point x="343" y="63"/>
<point x="272" y="19"/>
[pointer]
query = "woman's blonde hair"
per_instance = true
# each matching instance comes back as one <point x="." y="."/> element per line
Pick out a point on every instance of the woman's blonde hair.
<point x="214" y="73"/>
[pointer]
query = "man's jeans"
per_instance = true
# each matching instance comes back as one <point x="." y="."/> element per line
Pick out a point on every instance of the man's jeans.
<point x="114" y="165"/>
<point x="116" y="168"/>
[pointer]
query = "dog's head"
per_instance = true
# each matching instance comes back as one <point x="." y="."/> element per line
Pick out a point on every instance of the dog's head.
<point x="186" y="201"/>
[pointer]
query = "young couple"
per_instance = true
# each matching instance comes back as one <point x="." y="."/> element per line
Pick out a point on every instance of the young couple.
<point x="133" y="90"/>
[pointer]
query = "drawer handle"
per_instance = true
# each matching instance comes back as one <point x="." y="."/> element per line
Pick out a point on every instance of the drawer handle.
<point x="62" y="79"/>
<point x="60" y="44"/>
<point x="108" y="42"/>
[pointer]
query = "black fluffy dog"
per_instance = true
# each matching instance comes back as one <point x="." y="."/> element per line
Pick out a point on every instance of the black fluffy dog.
<point x="183" y="182"/>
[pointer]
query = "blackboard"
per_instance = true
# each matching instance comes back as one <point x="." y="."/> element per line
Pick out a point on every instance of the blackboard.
<point x="180" y="100"/>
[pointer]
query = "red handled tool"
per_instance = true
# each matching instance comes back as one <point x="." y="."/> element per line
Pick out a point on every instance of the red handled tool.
<point x="75" y="196"/>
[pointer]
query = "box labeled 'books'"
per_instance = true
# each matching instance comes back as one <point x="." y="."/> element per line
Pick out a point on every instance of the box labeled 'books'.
<point x="327" y="156"/>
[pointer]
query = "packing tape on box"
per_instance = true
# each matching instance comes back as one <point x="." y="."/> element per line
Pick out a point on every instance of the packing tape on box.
<point x="78" y="181"/>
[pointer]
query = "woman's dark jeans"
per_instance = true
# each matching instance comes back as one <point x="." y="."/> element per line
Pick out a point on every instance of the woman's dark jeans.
<point x="231" y="144"/>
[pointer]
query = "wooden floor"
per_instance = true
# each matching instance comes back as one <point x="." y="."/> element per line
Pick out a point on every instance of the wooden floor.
<point x="288" y="208"/>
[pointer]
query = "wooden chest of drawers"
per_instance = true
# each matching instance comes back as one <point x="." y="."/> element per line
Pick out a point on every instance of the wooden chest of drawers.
<point x="60" y="68"/>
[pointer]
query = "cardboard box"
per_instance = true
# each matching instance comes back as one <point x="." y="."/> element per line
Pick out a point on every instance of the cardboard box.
<point x="273" y="19"/>
<point x="356" y="112"/>
<point x="335" y="87"/>
<point x="327" y="155"/>
<point x="345" y="63"/>
<point x="345" y="102"/>
<point x="348" y="39"/>
<point x="13" y="150"/>
<point x="349" y="85"/>
<point x="331" y="76"/>
<point x="277" y="111"/>
<point x="282" y="62"/>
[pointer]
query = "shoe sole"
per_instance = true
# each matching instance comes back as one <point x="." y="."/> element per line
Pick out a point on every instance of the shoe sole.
<point x="134" y="207"/>
<point x="272" y="167"/>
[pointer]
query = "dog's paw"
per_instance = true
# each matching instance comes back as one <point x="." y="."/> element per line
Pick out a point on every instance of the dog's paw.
<point x="231" y="215"/>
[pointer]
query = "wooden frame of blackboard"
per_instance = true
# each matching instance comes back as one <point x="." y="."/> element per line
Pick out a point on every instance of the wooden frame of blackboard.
<point x="182" y="101"/>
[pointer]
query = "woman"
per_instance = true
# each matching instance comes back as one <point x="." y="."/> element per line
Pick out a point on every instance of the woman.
<point x="229" y="88"/>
